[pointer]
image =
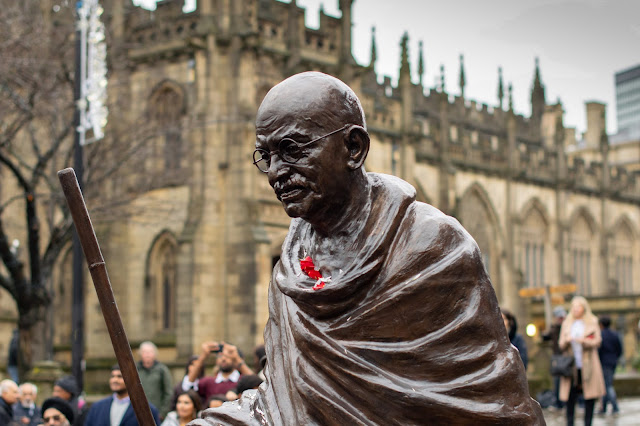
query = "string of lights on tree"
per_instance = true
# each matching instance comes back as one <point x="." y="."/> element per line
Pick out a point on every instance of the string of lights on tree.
<point x="93" y="66"/>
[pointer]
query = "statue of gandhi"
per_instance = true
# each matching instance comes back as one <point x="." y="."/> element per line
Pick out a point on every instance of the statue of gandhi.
<point x="380" y="309"/>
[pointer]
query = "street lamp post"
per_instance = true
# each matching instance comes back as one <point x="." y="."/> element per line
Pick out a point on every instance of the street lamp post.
<point x="90" y="90"/>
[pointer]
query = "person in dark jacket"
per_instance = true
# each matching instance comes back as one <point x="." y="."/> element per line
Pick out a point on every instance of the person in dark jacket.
<point x="122" y="414"/>
<point x="25" y="410"/>
<point x="58" y="410"/>
<point x="553" y="335"/>
<point x="67" y="388"/>
<point x="516" y="339"/>
<point x="8" y="397"/>
<point x="610" y="351"/>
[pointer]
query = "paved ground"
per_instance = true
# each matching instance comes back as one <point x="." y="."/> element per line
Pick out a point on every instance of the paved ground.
<point x="629" y="415"/>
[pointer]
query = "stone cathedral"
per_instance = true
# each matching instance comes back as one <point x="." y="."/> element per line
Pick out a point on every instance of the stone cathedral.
<point x="192" y="257"/>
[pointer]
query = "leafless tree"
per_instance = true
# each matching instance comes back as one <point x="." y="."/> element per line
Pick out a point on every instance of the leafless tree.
<point x="36" y="139"/>
<point x="36" y="114"/>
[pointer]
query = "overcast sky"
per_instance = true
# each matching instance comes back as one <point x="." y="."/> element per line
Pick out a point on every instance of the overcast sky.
<point x="581" y="44"/>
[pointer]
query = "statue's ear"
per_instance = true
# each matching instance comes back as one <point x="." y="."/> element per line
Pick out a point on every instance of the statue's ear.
<point x="357" y="143"/>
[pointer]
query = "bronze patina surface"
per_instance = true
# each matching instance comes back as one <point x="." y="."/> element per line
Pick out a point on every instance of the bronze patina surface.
<point x="407" y="330"/>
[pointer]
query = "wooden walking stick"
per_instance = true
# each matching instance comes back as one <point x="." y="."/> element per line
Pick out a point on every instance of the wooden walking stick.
<point x="98" y="271"/>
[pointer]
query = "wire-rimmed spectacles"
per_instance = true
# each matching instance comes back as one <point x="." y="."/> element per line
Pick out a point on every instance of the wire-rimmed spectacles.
<point x="289" y="151"/>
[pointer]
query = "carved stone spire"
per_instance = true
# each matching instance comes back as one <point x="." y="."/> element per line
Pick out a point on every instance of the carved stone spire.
<point x="420" y="62"/>
<point x="463" y="81"/>
<point x="346" y="56"/>
<point x="500" y="87"/>
<point x="510" y="97"/>
<point x="404" y="59"/>
<point x="538" y="101"/>
<point x="293" y="39"/>
<point x="374" y="54"/>
<point x="442" y="78"/>
<point x="536" y="78"/>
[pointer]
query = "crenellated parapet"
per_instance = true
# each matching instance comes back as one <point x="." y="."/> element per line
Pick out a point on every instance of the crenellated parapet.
<point x="477" y="137"/>
<point x="269" y="25"/>
<point x="441" y="127"/>
<point x="167" y="31"/>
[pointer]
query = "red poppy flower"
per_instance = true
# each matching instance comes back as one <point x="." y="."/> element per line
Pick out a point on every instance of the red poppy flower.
<point x="306" y="264"/>
<point x="310" y="270"/>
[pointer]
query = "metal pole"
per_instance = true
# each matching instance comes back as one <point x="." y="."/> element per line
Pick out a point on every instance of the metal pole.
<point x="77" y="312"/>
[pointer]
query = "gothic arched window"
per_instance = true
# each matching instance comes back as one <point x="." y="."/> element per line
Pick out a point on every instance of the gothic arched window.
<point x="160" y="285"/>
<point x="166" y="108"/>
<point x="476" y="215"/>
<point x="533" y="236"/>
<point x="621" y="252"/>
<point x="580" y="245"/>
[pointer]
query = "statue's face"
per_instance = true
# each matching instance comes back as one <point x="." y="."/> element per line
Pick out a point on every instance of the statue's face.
<point x="312" y="185"/>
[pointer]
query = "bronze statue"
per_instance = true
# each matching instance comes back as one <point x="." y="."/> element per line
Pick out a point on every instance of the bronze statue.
<point x="380" y="309"/>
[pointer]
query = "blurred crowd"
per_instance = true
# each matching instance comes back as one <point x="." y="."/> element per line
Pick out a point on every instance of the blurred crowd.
<point x="171" y="404"/>
<point x="585" y="354"/>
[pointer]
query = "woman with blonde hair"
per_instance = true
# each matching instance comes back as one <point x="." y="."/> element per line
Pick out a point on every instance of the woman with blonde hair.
<point x="580" y="338"/>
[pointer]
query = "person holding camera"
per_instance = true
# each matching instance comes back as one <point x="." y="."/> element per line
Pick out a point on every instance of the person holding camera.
<point x="229" y="368"/>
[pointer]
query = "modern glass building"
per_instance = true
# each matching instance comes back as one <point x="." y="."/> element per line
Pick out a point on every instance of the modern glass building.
<point x="628" y="101"/>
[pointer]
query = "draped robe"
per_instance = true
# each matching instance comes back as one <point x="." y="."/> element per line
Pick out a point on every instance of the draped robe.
<point x="409" y="333"/>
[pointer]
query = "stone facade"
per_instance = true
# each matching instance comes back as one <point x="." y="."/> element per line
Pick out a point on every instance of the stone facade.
<point x="192" y="259"/>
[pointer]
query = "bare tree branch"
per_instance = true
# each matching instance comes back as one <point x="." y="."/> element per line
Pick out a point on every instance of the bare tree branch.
<point x="12" y="263"/>
<point x="16" y="172"/>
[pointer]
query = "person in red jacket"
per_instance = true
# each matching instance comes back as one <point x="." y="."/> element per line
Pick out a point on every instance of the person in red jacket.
<point x="229" y="367"/>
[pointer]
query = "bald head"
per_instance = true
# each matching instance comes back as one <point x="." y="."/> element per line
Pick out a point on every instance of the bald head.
<point x="312" y="97"/>
<point x="312" y="143"/>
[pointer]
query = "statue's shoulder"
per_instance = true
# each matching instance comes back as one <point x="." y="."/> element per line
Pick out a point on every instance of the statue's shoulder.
<point x="393" y="185"/>
<point x="428" y="221"/>
<point x="417" y="212"/>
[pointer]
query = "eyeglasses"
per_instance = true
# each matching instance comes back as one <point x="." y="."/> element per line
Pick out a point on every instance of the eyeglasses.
<point x="55" y="418"/>
<point x="289" y="151"/>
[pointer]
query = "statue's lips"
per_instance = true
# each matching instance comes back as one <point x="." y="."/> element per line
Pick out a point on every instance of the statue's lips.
<point x="291" y="194"/>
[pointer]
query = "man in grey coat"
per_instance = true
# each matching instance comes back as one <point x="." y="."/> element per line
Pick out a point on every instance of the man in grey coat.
<point x="155" y="378"/>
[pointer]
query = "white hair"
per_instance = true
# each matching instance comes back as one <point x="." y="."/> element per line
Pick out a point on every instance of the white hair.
<point x="6" y="385"/>
<point x="34" y="388"/>
<point x="149" y="344"/>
